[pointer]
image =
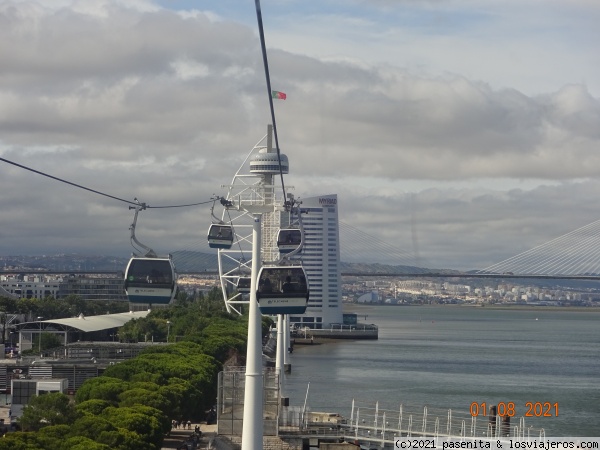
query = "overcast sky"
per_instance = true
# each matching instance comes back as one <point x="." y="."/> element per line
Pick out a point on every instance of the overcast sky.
<point x="465" y="131"/>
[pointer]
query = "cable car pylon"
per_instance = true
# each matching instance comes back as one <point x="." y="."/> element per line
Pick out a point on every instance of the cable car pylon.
<point x="252" y="203"/>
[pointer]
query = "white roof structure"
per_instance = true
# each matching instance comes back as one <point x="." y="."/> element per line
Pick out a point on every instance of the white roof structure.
<point x="5" y="293"/>
<point x="91" y="323"/>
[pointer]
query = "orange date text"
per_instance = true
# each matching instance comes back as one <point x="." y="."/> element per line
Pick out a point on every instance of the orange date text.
<point x="530" y="409"/>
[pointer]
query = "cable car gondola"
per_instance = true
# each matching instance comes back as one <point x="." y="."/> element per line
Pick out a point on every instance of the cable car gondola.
<point x="243" y="285"/>
<point x="220" y="236"/>
<point x="288" y="239"/>
<point x="282" y="290"/>
<point x="150" y="280"/>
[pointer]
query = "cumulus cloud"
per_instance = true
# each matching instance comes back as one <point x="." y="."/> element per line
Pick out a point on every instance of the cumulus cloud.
<point x="136" y="100"/>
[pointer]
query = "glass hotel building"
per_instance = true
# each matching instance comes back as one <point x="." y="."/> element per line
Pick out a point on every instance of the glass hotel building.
<point x="321" y="261"/>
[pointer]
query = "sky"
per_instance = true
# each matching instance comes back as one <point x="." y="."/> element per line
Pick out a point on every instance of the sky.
<point x="461" y="131"/>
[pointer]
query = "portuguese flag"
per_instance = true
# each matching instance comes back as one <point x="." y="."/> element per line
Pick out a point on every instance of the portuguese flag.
<point x="279" y="95"/>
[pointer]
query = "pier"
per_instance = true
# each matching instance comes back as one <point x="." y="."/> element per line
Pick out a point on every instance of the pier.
<point x="358" y="331"/>
<point x="370" y="426"/>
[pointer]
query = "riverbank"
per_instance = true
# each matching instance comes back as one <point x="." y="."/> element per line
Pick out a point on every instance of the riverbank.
<point x="358" y="307"/>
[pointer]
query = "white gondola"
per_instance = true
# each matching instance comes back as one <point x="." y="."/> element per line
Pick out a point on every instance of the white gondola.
<point x="220" y="236"/>
<point x="288" y="239"/>
<point x="282" y="290"/>
<point x="243" y="285"/>
<point x="150" y="280"/>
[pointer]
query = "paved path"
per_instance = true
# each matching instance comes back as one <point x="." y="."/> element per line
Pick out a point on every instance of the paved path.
<point x="179" y="436"/>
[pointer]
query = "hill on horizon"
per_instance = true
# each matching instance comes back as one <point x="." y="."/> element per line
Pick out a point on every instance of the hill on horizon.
<point x="198" y="262"/>
<point x="185" y="262"/>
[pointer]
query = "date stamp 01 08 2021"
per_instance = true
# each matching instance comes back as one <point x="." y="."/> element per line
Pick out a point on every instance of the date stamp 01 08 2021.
<point x="532" y="409"/>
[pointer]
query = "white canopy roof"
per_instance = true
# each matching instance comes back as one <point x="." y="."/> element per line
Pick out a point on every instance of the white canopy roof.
<point x="91" y="323"/>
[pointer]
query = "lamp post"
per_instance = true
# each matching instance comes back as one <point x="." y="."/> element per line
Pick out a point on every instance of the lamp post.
<point x="40" y="341"/>
<point x="168" y="329"/>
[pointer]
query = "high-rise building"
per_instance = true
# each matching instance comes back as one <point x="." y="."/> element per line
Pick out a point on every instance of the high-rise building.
<point x="321" y="261"/>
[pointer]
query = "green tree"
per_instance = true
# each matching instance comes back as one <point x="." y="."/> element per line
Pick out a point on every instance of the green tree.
<point x="185" y="396"/>
<point x="146" y="377"/>
<point x="52" y="437"/>
<point x="142" y="330"/>
<point x="44" y="342"/>
<point x="96" y="308"/>
<point x="28" y="306"/>
<point x="76" y="305"/>
<point x="137" y="420"/>
<point x="130" y="406"/>
<point x="121" y="439"/>
<point x="21" y="441"/>
<point x="51" y="308"/>
<point x="102" y="388"/>
<point x="50" y="340"/>
<point x="8" y="305"/>
<point x="54" y="432"/>
<point x="176" y="391"/>
<point x="154" y="399"/>
<point x="93" y="406"/>
<point x="91" y="427"/>
<point x="53" y="408"/>
<point x="223" y="347"/>
<point x="183" y="361"/>
<point x="84" y="443"/>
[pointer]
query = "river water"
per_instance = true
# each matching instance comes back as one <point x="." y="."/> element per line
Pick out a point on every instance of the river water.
<point x="454" y="356"/>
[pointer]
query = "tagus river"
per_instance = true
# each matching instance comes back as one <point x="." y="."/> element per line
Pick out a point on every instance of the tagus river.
<point x="455" y="356"/>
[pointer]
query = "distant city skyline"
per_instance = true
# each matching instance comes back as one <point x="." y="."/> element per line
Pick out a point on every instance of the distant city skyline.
<point x="460" y="133"/>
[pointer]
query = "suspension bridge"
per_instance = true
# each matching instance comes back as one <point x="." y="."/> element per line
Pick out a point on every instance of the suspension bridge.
<point x="574" y="255"/>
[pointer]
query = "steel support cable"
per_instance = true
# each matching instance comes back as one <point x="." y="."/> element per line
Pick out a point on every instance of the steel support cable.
<point x="554" y="258"/>
<point x="586" y="251"/>
<point x="560" y="255"/>
<point x="530" y="263"/>
<point x="595" y="257"/>
<point x="558" y="259"/>
<point x="569" y="254"/>
<point x="551" y="247"/>
<point x="523" y="259"/>
<point x="269" y="91"/>
<point x="359" y="246"/>
<point x="589" y="256"/>
<point x="531" y="252"/>
<point x="358" y="240"/>
<point x="94" y="190"/>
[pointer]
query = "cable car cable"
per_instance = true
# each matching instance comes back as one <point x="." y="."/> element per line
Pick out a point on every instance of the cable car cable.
<point x="65" y="181"/>
<point x="95" y="191"/>
<point x="269" y="92"/>
<point x="180" y="206"/>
